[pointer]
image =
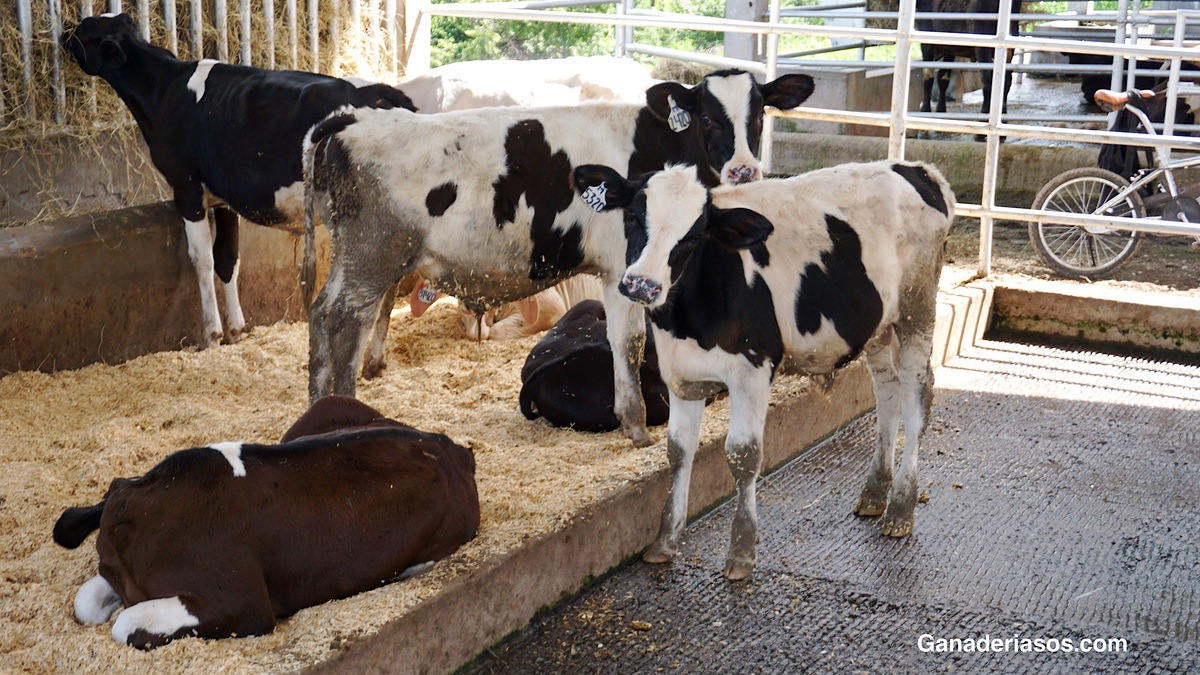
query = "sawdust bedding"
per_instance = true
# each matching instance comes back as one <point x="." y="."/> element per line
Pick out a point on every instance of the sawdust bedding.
<point x="64" y="436"/>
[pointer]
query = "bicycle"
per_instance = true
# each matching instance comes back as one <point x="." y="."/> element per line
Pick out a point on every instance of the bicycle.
<point x="1096" y="251"/>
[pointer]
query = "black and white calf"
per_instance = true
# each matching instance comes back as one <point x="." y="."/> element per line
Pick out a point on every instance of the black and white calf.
<point x="480" y="203"/>
<point x="815" y="269"/>
<point x="225" y="137"/>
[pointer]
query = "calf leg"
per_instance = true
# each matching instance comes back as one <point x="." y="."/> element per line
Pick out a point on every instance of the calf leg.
<point x="225" y="256"/>
<point x="881" y="363"/>
<point x="748" y="403"/>
<point x="375" y="360"/>
<point x="200" y="250"/>
<point x="96" y="601"/>
<point x="154" y="623"/>
<point x="627" y="336"/>
<point x="338" y="326"/>
<point x="683" y="438"/>
<point x="916" y="398"/>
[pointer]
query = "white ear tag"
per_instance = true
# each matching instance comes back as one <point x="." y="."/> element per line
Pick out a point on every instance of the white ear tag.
<point x="679" y="119"/>
<point x="427" y="294"/>
<point x="595" y="197"/>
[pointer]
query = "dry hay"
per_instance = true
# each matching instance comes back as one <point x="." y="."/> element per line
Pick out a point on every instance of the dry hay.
<point x="93" y="119"/>
<point x="64" y="436"/>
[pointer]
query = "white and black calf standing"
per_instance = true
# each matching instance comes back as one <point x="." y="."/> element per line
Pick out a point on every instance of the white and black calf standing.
<point x="815" y="269"/>
<point x="224" y="540"/>
<point x="480" y="203"/>
<point x="225" y="137"/>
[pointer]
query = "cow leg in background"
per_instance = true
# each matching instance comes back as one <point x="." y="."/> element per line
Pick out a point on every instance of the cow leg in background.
<point x="749" y="399"/>
<point x="225" y="257"/>
<point x="943" y="82"/>
<point x="375" y="359"/>
<point x="882" y="365"/>
<point x="200" y="250"/>
<point x="627" y="336"/>
<point x="916" y="399"/>
<point x="683" y="439"/>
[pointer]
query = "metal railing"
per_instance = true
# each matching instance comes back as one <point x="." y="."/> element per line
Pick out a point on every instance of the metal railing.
<point x="899" y="120"/>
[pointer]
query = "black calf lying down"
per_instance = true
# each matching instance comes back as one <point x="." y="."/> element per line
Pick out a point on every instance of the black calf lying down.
<point x="818" y="268"/>
<point x="225" y="540"/>
<point x="568" y="376"/>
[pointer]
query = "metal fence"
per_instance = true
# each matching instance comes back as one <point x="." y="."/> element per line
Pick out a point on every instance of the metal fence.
<point x="1128" y="45"/>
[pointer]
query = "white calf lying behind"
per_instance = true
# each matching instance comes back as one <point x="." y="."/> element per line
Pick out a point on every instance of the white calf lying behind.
<point x="818" y="269"/>
<point x="545" y="82"/>
<point x="522" y="318"/>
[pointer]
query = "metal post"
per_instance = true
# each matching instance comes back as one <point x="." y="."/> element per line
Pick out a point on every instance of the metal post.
<point x="144" y="18"/>
<point x="221" y="17"/>
<point x="417" y="25"/>
<point x="898" y="120"/>
<point x="269" y="29"/>
<point x="289" y="10"/>
<point x="60" y="92"/>
<point x="768" y="135"/>
<point x="389" y="23"/>
<point x="25" y="24"/>
<point x="172" y="29"/>
<point x="314" y="35"/>
<point x="85" y="10"/>
<point x="1173" y="84"/>
<point x="114" y="6"/>
<point x="246" y="43"/>
<point x="992" y="154"/>
<point x="619" y="31"/>
<point x="197" y="29"/>
<point x="1119" y="34"/>
<point x="335" y="25"/>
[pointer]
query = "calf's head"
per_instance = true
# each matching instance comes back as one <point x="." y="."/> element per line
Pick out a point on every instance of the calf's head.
<point x="725" y="112"/>
<point x="101" y="44"/>
<point x="669" y="216"/>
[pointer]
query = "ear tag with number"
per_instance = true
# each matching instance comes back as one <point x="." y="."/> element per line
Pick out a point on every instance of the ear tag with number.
<point x="679" y="119"/>
<point x="596" y="197"/>
<point x="427" y="294"/>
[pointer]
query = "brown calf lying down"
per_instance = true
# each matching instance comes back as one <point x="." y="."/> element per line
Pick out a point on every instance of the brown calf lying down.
<point x="225" y="540"/>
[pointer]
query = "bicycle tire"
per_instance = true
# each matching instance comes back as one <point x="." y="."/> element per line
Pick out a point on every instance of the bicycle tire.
<point x="1079" y="252"/>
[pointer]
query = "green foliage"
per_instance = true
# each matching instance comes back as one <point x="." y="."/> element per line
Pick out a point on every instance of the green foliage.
<point x="461" y="39"/>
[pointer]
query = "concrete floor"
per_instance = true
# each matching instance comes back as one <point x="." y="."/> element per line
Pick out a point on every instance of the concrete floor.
<point x="1063" y="490"/>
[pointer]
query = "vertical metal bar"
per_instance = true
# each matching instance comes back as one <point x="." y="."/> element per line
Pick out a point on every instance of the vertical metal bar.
<point x="269" y="29"/>
<point x="335" y="35"/>
<point x="114" y="6"/>
<point x="172" y="27"/>
<point x="314" y="35"/>
<point x="60" y="92"/>
<point x="85" y="10"/>
<point x="246" y="37"/>
<point x="197" y="29"/>
<point x="1119" y="34"/>
<point x="900" y="79"/>
<point x="619" y="32"/>
<point x="389" y="22"/>
<point x="992" y="154"/>
<point x="221" y="19"/>
<point x="144" y="18"/>
<point x="25" y="24"/>
<point x="768" y="135"/>
<point x="355" y="12"/>
<point x="1173" y="84"/>
<point x="289" y="10"/>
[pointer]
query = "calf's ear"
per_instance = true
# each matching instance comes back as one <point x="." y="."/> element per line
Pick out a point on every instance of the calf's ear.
<point x="111" y="54"/>
<point x="738" y="228"/>
<point x="602" y="187"/>
<point x="660" y="96"/>
<point x="787" y="91"/>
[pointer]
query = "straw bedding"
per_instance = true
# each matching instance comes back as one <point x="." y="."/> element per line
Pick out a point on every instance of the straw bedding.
<point x="64" y="436"/>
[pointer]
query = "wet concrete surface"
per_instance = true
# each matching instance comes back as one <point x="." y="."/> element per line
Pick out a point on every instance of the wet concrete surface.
<point x="1035" y="96"/>
<point x="1062" y="504"/>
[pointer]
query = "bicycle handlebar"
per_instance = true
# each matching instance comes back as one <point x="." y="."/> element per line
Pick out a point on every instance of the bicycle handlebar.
<point x="1111" y="100"/>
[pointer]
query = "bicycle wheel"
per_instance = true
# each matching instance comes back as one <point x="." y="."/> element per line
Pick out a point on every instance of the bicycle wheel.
<point x="1093" y="251"/>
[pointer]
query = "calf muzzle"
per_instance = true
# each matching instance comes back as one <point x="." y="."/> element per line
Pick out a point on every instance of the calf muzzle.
<point x="641" y="290"/>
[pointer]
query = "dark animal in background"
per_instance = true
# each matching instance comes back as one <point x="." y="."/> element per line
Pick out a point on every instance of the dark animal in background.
<point x="985" y="57"/>
<point x="1126" y="160"/>
<point x="226" y="137"/>
<point x="227" y="539"/>
<point x="821" y="267"/>
<point x="568" y="376"/>
<point x="480" y="202"/>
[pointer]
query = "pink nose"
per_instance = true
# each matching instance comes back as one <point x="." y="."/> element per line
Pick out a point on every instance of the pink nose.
<point x="743" y="174"/>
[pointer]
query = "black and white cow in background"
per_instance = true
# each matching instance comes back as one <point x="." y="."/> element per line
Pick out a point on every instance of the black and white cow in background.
<point x="480" y="203"/>
<point x="815" y="269"/>
<point x="225" y="137"/>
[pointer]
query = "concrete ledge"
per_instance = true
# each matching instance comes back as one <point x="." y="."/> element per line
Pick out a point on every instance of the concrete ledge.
<point x="115" y="285"/>
<point x="504" y="594"/>
<point x="1151" y="323"/>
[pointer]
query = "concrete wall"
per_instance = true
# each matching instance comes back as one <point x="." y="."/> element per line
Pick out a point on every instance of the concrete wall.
<point x="116" y="285"/>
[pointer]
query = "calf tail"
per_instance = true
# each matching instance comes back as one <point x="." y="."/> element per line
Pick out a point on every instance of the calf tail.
<point x="76" y="523"/>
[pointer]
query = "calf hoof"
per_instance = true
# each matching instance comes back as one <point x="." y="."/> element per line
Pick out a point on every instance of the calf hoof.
<point x="641" y="437"/>
<point x="234" y="336"/>
<point x="897" y="526"/>
<point x="372" y="369"/>
<point x="737" y="570"/>
<point x="659" y="555"/>
<point x="870" y="508"/>
<point x="211" y="340"/>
